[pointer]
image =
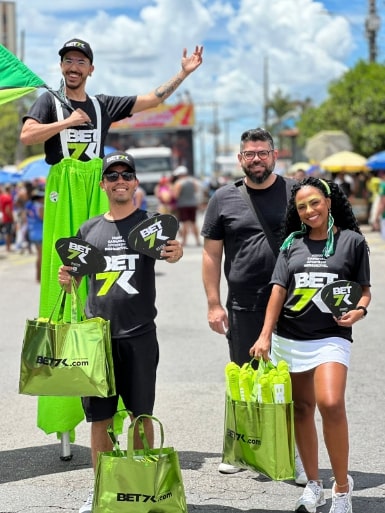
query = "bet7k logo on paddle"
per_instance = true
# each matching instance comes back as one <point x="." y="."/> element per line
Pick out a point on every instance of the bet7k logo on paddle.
<point x="342" y="294"/>
<point x="77" y="250"/>
<point x="153" y="232"/>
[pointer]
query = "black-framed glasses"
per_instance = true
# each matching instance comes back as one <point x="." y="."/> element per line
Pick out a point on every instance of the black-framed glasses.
<point x="250" y="155"/>
<point x="113" y="176"/>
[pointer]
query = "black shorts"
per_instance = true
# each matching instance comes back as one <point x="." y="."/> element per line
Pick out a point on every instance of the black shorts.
<point x="8" y="228"/>
<point x="245" y="324"/>
<point x="187" y="214"/>
<point x="135" y="363"/>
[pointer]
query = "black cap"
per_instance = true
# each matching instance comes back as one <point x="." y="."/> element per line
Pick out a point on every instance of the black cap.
<point x="119" y="157"/>
<point x="79" y="46"/>
<point x="37" y="194"/>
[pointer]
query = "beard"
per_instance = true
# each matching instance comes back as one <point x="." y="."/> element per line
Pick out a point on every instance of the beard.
<point x="258" y="179"/>
<point x="69" y="85"/>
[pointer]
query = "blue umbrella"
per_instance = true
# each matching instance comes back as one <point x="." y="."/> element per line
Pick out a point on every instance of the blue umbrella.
<point x="376" y="162"/>
<point x="39" y="168"/>
<point x="109" y="149"/>
<point x="8" y="177"/>
<point x="36" y="169"/>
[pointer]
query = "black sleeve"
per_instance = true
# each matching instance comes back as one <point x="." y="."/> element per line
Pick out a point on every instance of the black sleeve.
<point x="117" y="107"/>
<point x="43" y="110"/>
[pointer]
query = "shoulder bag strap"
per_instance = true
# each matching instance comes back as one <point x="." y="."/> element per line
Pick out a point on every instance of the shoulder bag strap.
<point x="254" y="208"/>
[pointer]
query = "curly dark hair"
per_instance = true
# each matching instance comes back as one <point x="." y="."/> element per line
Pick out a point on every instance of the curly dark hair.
<point x="341" y="209"/>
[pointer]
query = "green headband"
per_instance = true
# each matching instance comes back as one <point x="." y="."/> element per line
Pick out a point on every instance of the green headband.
<point x="326" y="185"/>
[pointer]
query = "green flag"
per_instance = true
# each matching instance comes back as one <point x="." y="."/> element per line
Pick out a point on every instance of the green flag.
<point x="16" y="79"/>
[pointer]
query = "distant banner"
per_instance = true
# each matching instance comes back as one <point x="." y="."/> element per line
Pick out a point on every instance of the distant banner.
<point x="163" y="116"/>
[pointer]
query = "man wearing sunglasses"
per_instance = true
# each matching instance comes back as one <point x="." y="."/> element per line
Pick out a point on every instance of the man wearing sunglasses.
<point x="231" y="228"/>
<point x="123" y="293"/>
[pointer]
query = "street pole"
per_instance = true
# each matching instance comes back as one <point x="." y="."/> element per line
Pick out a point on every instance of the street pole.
<point x="266" y="92"/>
<point x="372" y="26"/>
<point x="214" y="129"/>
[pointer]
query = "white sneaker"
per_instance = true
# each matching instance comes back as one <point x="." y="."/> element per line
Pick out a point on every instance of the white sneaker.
<point x="312" y="498"/>
<point x="225" y="468"/>
<point x="87" y="506"/>
<point x="342" y="502"/>
<point x="300" y="474"/>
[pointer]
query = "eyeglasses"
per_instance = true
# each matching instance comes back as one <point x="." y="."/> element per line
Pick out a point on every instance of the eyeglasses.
<point x="79" y="62"/>
<point x="114" y="176"/>
<point x="250" y="155"/>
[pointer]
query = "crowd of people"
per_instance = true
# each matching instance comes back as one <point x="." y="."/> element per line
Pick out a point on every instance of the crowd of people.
<point x="269" y="235"/>
<point x="181" y="195"/>
<point x="21" y="209"/>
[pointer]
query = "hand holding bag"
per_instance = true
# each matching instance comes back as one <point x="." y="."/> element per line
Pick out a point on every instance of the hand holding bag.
<point x="140" y="480"/>
<point x="67" y="358"/>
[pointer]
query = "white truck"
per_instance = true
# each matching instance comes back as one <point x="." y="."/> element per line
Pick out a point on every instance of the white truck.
<point x="151" y="164"/>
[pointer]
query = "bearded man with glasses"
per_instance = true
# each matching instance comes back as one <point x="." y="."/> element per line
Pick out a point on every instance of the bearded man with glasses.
<point x="232" y="229"/>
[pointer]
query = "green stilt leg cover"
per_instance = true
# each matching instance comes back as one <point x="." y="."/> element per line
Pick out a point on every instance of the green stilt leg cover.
<point x="73" y="195"/>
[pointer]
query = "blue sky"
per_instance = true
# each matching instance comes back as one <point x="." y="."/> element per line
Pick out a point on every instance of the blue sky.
<point x="138" y="45"/>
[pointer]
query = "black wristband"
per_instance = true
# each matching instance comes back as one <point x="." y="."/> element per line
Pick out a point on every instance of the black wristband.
<point x="363" y="308"/>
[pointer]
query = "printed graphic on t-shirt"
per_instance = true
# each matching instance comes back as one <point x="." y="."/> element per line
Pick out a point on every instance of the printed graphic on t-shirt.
<point x="120" y="268"/>
<point x="309" y="284"/>
<point x="82" y="142"/>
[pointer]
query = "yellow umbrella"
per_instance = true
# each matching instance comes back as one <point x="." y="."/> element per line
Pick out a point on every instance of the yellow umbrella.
<point x="299" y="165"/>
<point x="344" y="161"/>
<point x="29" y="160"/>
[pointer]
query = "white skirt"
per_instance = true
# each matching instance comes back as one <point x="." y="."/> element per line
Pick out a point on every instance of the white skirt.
<point x="303" y="355"/>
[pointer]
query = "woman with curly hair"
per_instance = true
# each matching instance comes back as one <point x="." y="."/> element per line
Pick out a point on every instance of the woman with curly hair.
<point x="322" y="244"/>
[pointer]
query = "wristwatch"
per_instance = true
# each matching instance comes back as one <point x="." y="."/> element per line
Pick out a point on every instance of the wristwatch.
<point x="363" y="308"/>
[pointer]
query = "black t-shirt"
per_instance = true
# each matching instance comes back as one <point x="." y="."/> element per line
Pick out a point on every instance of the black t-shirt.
<point x="249" y="260"/>
<point x="125" y="292"/>
<point x="82" y="139"/>
<point x="303" y="271"/>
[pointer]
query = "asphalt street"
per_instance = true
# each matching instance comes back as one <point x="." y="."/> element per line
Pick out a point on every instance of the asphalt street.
<point x="190" y="404"/>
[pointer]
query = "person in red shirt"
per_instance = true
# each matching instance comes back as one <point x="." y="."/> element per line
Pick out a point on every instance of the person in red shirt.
<point x="6" y="205"/>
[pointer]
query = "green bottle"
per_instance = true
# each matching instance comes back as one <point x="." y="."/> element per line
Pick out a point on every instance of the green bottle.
<point x="264" y="389"/>
<point x="287" y="381"/>
<point x="283" y="371"/>
<point x="278" y="388"/>
<point x="245" y="383"/>
<point x="232" y="381"/>
<point x="282" y="365"/>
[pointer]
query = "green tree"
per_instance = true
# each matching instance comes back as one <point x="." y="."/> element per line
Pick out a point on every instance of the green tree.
<point x="356" y="105"/>
<point x="9" y="123"/>
<point x="280" y="105"/>
<point x="11" y="114"/>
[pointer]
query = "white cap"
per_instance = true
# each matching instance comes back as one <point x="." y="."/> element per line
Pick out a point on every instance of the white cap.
<point x="180" y="171"/>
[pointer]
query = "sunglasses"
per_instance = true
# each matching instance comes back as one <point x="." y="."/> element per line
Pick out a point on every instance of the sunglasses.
<point x="114" y="176"/>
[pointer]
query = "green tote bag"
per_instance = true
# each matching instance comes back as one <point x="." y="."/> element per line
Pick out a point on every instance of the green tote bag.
<point x="260" y="437"/>
<point x="139" y="481"/>
<point x="67" y="358"/>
